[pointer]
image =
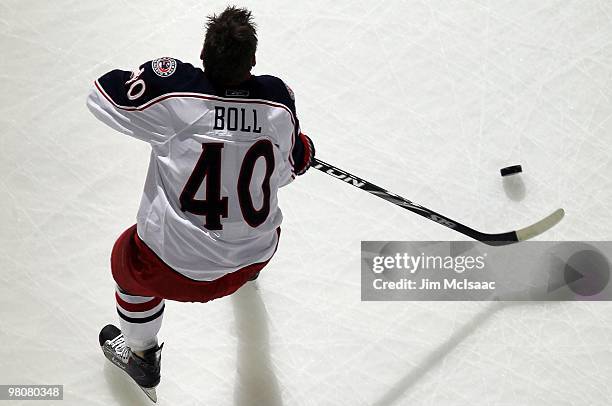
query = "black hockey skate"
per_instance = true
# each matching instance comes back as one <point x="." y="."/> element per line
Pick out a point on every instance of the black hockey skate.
<point x="145" y="371"/>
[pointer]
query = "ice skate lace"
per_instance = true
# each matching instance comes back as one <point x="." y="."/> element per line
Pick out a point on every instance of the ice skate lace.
<point x="118" y="345"/>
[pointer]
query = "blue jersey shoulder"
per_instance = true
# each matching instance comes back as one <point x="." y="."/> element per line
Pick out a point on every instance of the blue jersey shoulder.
<point x="151" y="80"/>
<point x="169" y="75"/>
<point x="274" y="89"/>
<point x="164" y="76"/>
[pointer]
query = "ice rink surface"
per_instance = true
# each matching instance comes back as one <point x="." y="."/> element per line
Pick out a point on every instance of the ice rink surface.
<point x="427" y="99"/>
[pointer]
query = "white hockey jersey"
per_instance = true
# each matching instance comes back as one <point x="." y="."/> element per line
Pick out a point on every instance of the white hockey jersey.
<point x="218" y="157"/>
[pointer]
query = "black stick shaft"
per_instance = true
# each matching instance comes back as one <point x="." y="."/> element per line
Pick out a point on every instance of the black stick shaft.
<point x="491" y="239"/>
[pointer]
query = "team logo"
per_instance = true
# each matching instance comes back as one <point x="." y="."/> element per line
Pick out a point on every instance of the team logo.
<point x="164" y="67"/>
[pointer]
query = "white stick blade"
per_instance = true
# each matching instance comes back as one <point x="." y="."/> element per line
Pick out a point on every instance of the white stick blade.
<point x="541" y="226"/>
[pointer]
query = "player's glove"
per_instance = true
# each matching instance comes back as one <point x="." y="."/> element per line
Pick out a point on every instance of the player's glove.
<point x="309" y="154"/>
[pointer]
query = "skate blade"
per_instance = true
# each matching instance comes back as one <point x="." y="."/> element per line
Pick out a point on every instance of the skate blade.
<point x="151" y="393"/>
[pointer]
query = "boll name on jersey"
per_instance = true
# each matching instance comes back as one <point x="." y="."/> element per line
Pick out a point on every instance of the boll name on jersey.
<point x="235" y="119"/>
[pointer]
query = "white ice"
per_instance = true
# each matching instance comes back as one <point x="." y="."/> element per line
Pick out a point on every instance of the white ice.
<point x="426" y="98"/>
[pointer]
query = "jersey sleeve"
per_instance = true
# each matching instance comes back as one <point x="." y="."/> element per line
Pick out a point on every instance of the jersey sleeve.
<point x="301" y="151"/>
<point x="131" y="102"/>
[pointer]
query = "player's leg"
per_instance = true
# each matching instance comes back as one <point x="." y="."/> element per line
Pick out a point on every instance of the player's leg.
<point x="140" y="319"/>
<point x="140" y="310"/>
<point x="134" y="347"/>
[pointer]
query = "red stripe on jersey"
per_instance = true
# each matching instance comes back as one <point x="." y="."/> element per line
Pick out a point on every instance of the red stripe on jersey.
<point x="193" y="96"/>
<point x="137" y="307"/>
<point x="206" y="97"/>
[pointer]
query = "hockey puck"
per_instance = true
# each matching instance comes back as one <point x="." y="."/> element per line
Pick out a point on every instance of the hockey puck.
<point x="511" y="170"/>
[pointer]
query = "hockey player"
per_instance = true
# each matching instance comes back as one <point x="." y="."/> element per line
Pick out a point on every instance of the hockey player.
<point x="223" y="142"/>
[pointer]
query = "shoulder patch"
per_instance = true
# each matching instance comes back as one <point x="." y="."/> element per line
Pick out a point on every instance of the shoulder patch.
<point x="164" y="67"/>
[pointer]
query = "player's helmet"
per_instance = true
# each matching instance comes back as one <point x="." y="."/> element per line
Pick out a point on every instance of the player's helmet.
<point x="229" y="47"/>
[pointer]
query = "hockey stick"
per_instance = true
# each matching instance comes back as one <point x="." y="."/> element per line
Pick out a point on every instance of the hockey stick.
<point x="491" y="239"/>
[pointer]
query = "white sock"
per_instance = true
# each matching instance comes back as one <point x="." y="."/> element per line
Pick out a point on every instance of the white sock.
<point x="140" y="318"/>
